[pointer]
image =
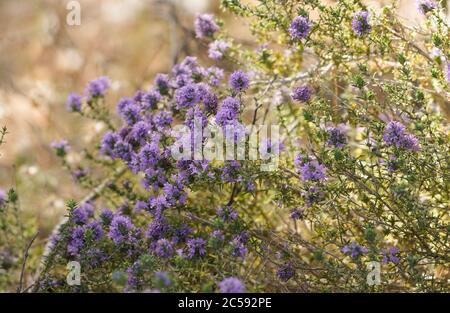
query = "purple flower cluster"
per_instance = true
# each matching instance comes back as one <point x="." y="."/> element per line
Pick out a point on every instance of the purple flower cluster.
<point x="231" y="285"/>
<point x="162" y="83"/>
<point x="205" y="26"/>
<point x="239" y="81"/>
<point x="196" y="247"/>
<point x="354" y="250"/>
<point x="228" y="112"/>
<point x="302" y="93"/>
<point x="312" y="170"/>
<point x="238" y="248"/>
<point x="187" y="96"/>
<point x="360" y="23"/>
<point x="73" y="102"/>
<point x="336" y="137"/>
<point x="298" y="214"/>
<point x="217" y="235"/>
<point x="61" y="147"/>
<point x="231" y="172"/>
<point x="286" y="272"/>
<point x="121" y="230"/>
<point x="81" y="235"/>
<point x="395" y="135"/>
<point x="162" y="248"/>
<point x="391" y="255"/>
<point x="106" y="216"/>
<point x="157" y="229"/>
<point x="425" y="6"/>
<point x="97" y="88"/>
<point x="300" y="28"/>
<point x="82" y="213"/>
<point x="217" y="49"/>
<point x="227" y="214"/>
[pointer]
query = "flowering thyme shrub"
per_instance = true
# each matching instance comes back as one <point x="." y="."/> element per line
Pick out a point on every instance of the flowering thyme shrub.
<point x="362" y="161"/>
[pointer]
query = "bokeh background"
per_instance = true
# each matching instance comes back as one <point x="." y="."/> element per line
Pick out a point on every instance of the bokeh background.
<point x="42" y="59"/>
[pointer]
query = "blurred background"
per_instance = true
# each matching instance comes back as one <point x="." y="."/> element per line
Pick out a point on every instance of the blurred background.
<point x="42" y="59"/>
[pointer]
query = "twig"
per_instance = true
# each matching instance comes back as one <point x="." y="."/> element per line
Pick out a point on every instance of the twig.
<point x="25" y="257"/>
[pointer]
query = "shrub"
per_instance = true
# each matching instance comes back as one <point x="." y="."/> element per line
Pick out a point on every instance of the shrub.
<point x="362" y="173"/>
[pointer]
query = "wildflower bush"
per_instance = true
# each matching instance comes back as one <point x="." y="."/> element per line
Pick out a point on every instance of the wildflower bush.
<point x="361" y="161"/>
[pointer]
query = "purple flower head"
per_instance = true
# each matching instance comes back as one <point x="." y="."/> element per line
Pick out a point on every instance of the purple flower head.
<point x="187" y="96"/>
<point x="154" y="177"/>
<point x="175" y="193"/>
<point x="195" y="247"/>
<point x="336" y="137"/>
<point x="354" y="250"/>
<point x="82" y="213"/>
<point x="108" y="142"/>
<point x="93" y="231"/>
<point x="302" y="93"/>
<point x="121" y="230"/>
<point x="205" y="26"/>
<point x="313" y="170"/>
<point x="299" y="160"/>
<point x="227" y="214"/>
<point x="425" y="6"/>
<point x="300" y="28"/>
<point x="238" y="248"/>
<point x="61" y="147"/>
<point x="150" y="100"/>
<point x="162" y="248"/>
<point x="360" y="23"/>
<point x="162" y="120"/>
<point x="298" y="214"/>
<point x="181" y="233"/>
<point x="239" y="81"/>
<point x="231" y="285"/>
<point x="82" y="234"/>
<point x="217" y="235"/>
<point x="148" y="156"/>
<point x="231" y="172"/>
<point x="97" y="88"/>
<point x="391" y="255"/>
<point x="162" y="279"/>
<point x="157" y="229"/>
<point x="210" y="102"/>
<point x="228" y="111"/>
<point x="140" y="132"/>
<point x="285" y="272"/>
<point x="134" y="279"/>
<point x="395" y="135"/>
<point x="76" y="242"/>
<point x="217" y="49"/>
<point x="73" y="102"/>
<point x="122" y="150"/>
<point x="129" y="110"/>
<point x="215" y="75"/>
<point x="106" y="216"/>
<point x="162" y="83"/>
<point x="95" y="257"/>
